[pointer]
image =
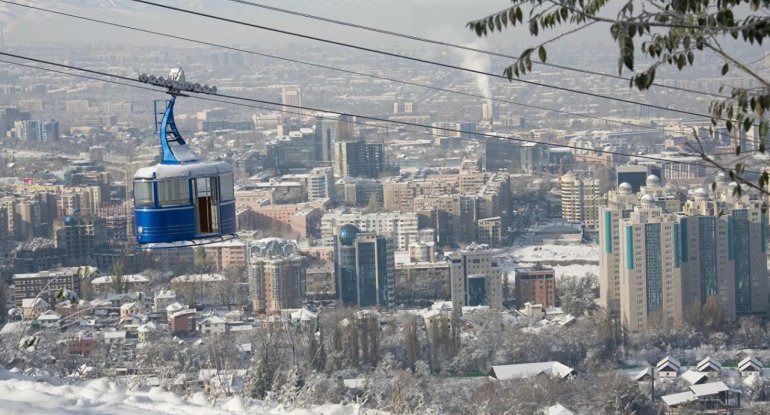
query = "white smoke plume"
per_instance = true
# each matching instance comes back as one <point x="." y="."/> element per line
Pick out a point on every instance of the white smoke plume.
<point x="479" y="62"/>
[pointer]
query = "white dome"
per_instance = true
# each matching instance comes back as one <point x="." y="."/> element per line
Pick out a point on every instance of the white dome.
<point x="721" y="177"/>
<point x="653" y="180"/>
<point x="700" y="193"/>
<point x="647" y="199"/>
<point x="625" y="187"/>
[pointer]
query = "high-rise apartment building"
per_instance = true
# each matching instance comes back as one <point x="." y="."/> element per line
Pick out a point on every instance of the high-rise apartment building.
<point x="365" y="270"/>
<point x="580" y="200"/>
<point x="358" y="159"/>
<point x="320" y="184"/>
<point x="331" y="128"/>
<point x="650" y="269"/>
<point x="80" y="237"/>
<point x="34" y="130"/>
<point x="277" y="275"/>
<point x="476" y="278"/>
<point x="660" y="268"/>
<point x="291" y="98"/>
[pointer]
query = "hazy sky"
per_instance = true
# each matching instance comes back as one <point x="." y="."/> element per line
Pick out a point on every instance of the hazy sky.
<point x="437" y="19"/>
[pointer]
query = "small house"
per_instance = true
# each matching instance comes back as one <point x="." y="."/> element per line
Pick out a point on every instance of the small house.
<point x="113" y="337"/>
<point x="48" y="319"/>
<point x="212" y="325"/>
<point x="710" y="366"/>
<point x="530" y="370"/>
<point x="33" y="307"/>
<point x="668" y="367"/>
<point x="182" y="322"/>
<point x="749" y="365"/>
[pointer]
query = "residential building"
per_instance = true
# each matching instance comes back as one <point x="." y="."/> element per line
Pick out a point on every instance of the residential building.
<point x="47" y="284"/>
<point x="130" y="283"/>
<point x="227" y="254"/>
<point x="291" y="98"/>
<point x="423" y="281"/>
<point x="580" y="200"/>
<point x="162" y="300"/>
<point x="364" y="268"/>
<point x="331" y="128"/>
<point x="358" y="159"/>
<point x="401" y="227"/>
<point x="535" y="285"/>
<point x="182" y="322"/>
<point x="476" y="278"/>
<point x="212" y="325"/>
<point x="650" y="269"/>
<point x="659" y="268"/>
<point x="490" y="232"/>
<point x="277" y="275"/>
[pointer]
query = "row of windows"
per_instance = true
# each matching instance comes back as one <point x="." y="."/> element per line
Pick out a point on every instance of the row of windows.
<point x="176" y="192"/>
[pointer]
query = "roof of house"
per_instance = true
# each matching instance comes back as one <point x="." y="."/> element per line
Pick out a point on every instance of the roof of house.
<point x="357" y="383"/>
<point x="114" y="334"/>
<point x="182" y="313"/>
<point x="147" y="327"/>
<point x="174" y="307"/>
<point x="198" y="278"/>
<point x="558" y="409"/>
<point x="213" y="320"/>
<point x="748" y="362"/>
<point x="128" y="306"/>
<point x="165" y="294"/>
<point x="528" y="370"/>
<point x="304" y="314"/>
<point x="133" y="278"/>
<point x="710" y="388"/>
<point x="644" y="374"/>
<point x="693" y="377"/>
<point x="50" y="315"/>
<point x="678" y="398"/>
<point x="32" y="302"/>
<point x="709" y="364"/>
<point x="668" y="361"/>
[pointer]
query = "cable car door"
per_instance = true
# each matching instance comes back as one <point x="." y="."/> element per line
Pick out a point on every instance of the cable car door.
<point x="207" y="205"/>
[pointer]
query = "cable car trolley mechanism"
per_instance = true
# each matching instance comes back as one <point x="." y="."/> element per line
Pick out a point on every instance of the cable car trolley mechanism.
<point x="183" y="201"/>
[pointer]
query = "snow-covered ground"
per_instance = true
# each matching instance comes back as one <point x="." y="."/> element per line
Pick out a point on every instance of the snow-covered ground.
<point x="574" y="260"/>
<point x="21" y="395"/>
<point x="553" y="253"/>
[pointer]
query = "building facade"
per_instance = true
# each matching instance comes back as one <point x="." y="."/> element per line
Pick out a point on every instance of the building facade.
<point x="476" y="278"/>
<point x="364" y="268"/>
<point x="277" y="275"/>
<point x="536" y="285"/>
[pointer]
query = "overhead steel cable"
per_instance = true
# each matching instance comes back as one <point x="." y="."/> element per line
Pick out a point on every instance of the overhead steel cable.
<point x="420" y="60"/>
<point x="383" y="120"/>
<point x="384" y="78"/>
<point x="461" y="47"/>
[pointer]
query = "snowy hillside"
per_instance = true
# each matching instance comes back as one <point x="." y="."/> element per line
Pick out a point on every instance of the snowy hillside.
<point x="24" y="396"/>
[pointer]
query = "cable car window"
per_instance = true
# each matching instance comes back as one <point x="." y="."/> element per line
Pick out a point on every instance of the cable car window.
<point x="173" y="192"/>
<point x="226" y="186"/>
<point x="143" y="193"/>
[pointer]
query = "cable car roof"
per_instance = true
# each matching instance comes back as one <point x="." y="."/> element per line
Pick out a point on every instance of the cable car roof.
<point x="171" y="171"/>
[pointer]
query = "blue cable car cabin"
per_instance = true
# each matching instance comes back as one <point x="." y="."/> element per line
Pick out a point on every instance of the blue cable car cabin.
<point x="185" y="203"/>
<point x="182" y="201"/>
